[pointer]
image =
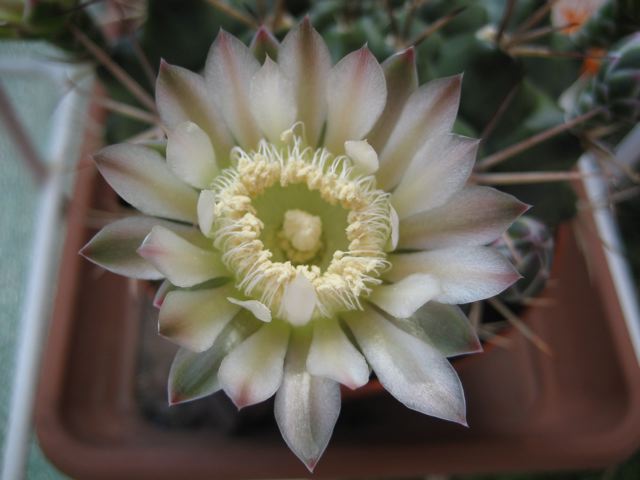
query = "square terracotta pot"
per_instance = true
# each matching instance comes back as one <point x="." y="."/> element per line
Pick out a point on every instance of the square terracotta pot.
<point x="579" y="408"/>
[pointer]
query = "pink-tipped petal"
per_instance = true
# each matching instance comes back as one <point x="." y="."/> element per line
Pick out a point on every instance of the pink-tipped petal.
<point x="182" y="262"/>
<point x="228" y="73"/>
<point x="193" y="319"/>
<point x="403" y="298"/>
<point x="465" y="274"/>
<point x="474" y="216"/>
<point x="194" y="375"/>
<point x="356" y="95"/>
<point x="413" y="371"/>
<point x="401" y="75"/>
<point x="332" y="355"/>
<point x="142" y="177"/>
<point x="252" y="372"/>
<point x="190" y="155"/>
<point x="115" y="247"/>
<point x="264" y="44"/>
<point x="272" y="103"/>
<point x="305" y="60"/>
<point x="181" y="96"/>
<point x="429" y="112"/>
<point x="438" y="171"/>
<point x="306" y="407"/>
<point x="446" y="327"/>
<point x="161" y="293"/>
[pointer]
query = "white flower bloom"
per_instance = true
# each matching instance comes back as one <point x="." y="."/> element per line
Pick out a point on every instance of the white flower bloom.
<point x="284" y="188"/>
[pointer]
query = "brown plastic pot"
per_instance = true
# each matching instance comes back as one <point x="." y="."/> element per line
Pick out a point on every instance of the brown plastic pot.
<point x="579" y="408"/>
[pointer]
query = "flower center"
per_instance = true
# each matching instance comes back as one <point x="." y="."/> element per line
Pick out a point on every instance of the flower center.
<point x="283" y="211"/>
<point x="300" y="237"/>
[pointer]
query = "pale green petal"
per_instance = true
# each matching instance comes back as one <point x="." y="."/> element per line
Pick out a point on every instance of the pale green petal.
<point x="252" y="372"/>
<point x="142" y="177"/>
<point x="193" y="319"/>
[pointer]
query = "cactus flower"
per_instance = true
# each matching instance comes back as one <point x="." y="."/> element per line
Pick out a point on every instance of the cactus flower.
<point x="313" y="223"/>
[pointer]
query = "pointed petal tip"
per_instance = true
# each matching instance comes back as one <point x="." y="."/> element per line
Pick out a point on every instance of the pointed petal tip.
<point x="409" y="54"/>
<point x="311" y="464"/>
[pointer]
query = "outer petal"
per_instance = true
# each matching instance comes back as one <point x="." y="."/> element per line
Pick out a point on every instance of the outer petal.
<point x="272" y="104"/>
<point x="474" y="216"/>
<point x="332" y="355"/>
<point x="438" y="171"/>
<point x="401" y="75"/>
<point x="445" y="327"/>
<point x="183" y="263"/>
<point x="195" y="375"/>
<point x="466" y="274"/>
<point x="228" y="73"/>
<point x="252" y="372"/>
<point x="403" y="298"/>
<point x="181" y="95"/>
<point x="264" y="44"/>
<point x="190" y="155"/>
<point x="411" y="370"/>
<point x="305" y="60"/>
<point x="430" y="111"/>
<point x="114" y="247"/>
<point x="306" y="407"/>
<point x="142" y="178"/>
<point x="193" y="319"/>
<point x="356" y="95"/>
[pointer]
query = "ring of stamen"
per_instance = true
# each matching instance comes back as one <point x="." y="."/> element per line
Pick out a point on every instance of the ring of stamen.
<point x="237" y="229"/>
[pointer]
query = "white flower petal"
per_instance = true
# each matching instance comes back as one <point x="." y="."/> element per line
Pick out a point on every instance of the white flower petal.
<point x="439" y="170"/>
<point x="298" y="301"/>
<point x="190" y="155"/>
<point x="445" y="327"/>
<point x="306" y="407"/>
<point x="430" y="111"/>
<point x="252" y="372"/>
<point x="394" y="238"/>
<point x="194" y="375"/>
<point x="141" y="176"/>
<point x="258" y="309"/>
<point x="403" y="298"/>
<point x="411" y="370"/>
<point x="474" y="216"/>
<point x="332" y="355"/>
<point x="193" y="319"/>
<point x="356" y="95"/>
<point x="305" y="60"/>
<point x="465" y="274"/>
<point x="181" y="95"/>
<point x="364" y="157"/>
<point x="161" y="293"/>
<point x="183" y="263"/>
<point x="115" y="247"/>
<point x="206" y="211"/>
<point x="228" y="73"/>
<point x="272" y="103"/>
<point x="264" y="44"/>
<point x="401" y="77"/>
